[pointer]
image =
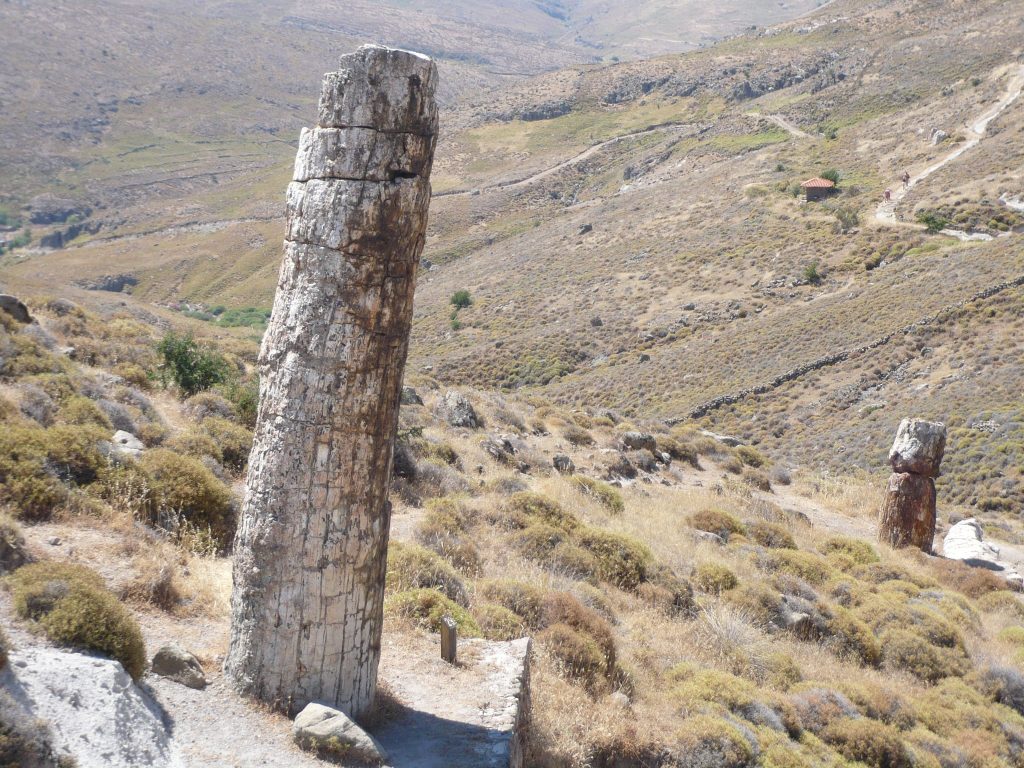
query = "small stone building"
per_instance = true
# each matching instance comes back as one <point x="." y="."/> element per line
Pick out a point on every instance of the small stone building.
<point x="818" y="189"/>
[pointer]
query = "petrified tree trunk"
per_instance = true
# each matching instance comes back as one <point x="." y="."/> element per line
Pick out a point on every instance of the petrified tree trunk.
<point x="310" y="552"/>
<point x="908" y="512"/>
<point x="907" y="517"/>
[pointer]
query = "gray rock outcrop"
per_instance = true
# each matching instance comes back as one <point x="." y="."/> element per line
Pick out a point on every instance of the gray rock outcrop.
<point x="457" y="411"/>
<point x="638" y="441"/>
<point x="127" y="444"/>
<point x="15" y="307"/>
<point x="177" y="664"/>
<point x="332" y="733"/>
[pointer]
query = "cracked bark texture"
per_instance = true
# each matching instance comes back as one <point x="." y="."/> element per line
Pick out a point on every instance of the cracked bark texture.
<point x="311" y="547"/>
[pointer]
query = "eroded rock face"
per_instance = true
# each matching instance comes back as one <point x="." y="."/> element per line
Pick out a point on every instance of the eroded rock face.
<point x="307" y="606"/>
<point x="918" y="448"/>
<point x="15" y="307"/>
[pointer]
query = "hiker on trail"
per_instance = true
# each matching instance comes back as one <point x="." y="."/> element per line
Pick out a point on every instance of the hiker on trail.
<point x="906" y="179"/>
<point x="888" y="195"/>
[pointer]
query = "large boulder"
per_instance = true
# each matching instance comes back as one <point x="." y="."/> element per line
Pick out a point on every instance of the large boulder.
<point x="98" y="717"/>
<point x="638" y="441"/>
<point x="332" y="733"/>
<point x="177" y="664"/>
<point x="15" y="307"/>
<point x="918" y="447"/>
<point x="965" y="542"/>
<point x="457" y="411"/>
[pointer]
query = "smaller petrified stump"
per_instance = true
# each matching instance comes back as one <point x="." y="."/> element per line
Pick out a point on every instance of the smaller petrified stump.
<point x="907" y="517"/>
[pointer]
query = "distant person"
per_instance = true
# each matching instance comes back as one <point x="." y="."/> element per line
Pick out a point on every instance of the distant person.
<point x="906" y="179"/>
<point x="888" y="195"/>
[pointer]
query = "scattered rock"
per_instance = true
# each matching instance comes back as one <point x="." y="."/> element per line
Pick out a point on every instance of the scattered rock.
<point x="596" y="322"/>
<point x="177" y="664"/>
<point x="732" y="442"/>
<point x="620" y="699"/>
<point x="127" y="444"/>
<point x="499" y="448"/>
<point x="14" y="307"/>
<point x="12" y="549"/>
<point x="638" y="441"/>
<point x="918" y="448"/>
<point x="330" y="732"/>
<point x="563" y="464"/>
<point x="457" y="411"/>
<point x="965" y="541"/>
<point x="411" y="397"/>
<point x="938" y="136"/>
<point x="53" y="541"/>
<point x="710" y="538"/>
<point x="585" y="228"/>
<point x="98" y="716"/>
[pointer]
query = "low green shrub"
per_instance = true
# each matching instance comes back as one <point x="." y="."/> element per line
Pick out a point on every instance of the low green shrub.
<point x="771" y="535"/>
<point x="526" y="507"/>
<point x="234" y="441"/>
<point x="907" y="651"/>
<point x="810" y="567"/>
<point x="81" y="411"/>
<point x="427" y="607"/>
<point x="622" y="561"/>
<point x="861" y="552"/>
<point x="849" y="636"/>
<point x="499" y="623"/>
<point x="524" y="600"/>
<point x="72" y="606"/>
<point x="751" y="456"/>
<point x="12" y="545"/>
<point x="606" y="495"/>
<point x="704" y="740"/>
<point x="718" y="522"/>
<point x="577" y="436"/>
<point x="564" y="608"/>
<point x="411" y="566"/>
<point x="714" y="578"/>
<point x="577" y="654"/>
<point x="183" y="490"/>
<point x="869" y="742"/>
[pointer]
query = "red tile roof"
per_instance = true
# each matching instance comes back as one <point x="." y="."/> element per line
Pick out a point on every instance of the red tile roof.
<point x="818" y="184"/>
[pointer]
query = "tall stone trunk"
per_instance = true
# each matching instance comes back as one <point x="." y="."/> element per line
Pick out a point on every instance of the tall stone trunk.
<point x="311" y="547"/>
<point x="907" y="516"/>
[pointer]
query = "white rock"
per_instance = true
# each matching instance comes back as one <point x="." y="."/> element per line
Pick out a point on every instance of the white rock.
<point x="918" y="447"/>
<point x="97" y="714"/>
<point x="321" y="728"/>
<point x="127" y="444"/>
<point x="965" y="542"/>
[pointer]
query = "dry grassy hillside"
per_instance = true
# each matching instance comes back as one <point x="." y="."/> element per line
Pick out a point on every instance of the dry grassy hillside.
<point x="632" y="237"/>
<point x="692" y="604"/>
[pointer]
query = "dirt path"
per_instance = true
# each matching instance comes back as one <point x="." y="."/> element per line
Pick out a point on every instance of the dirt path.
<point x="584" y="155"/>
<point x="886" y="211"/>
<point x="782" y="123"/>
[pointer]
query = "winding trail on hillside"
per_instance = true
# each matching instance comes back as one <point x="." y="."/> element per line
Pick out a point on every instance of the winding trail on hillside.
<point x="886" y="211"/>
<point x="574" y="160"/>
<point x="782" y="123"/>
